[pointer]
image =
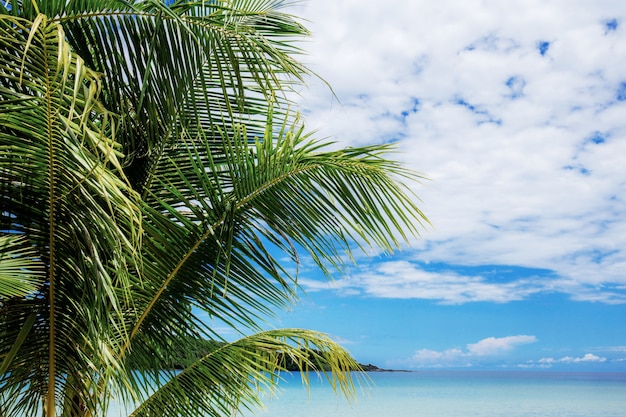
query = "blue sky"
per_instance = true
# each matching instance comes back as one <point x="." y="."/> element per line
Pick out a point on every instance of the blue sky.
<point x="516" y="112"/>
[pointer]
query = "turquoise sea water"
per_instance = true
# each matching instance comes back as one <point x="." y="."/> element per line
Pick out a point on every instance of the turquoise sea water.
<point x="458" y="394"/>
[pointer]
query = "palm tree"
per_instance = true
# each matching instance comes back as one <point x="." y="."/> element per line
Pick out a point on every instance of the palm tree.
<point x="151" y="177"/>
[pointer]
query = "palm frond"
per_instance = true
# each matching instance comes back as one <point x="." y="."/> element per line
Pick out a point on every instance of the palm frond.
<point x="215" y="225"/>
<point x="63" y="187"/>
<point x="150" y="165"/>
<point x="234" y="375"/>
<point x="21" y="270"/>
<point x="170" y="68"/>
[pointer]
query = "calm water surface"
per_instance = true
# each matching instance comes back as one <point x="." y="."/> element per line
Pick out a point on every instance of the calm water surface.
<point x="458" y="394"/>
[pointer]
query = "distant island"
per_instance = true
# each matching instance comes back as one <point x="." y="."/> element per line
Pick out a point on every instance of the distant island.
<point x="361" y="367"/>
<point x="197" y="348"/>
<point x="373" y="368"/>
<point x="288" y="364"/>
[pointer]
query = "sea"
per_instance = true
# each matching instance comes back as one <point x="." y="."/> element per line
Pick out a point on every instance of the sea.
<point x="455" y="394"/>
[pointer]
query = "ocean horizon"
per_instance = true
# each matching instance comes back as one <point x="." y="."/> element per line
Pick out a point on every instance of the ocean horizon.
<point x="450" y="393"/>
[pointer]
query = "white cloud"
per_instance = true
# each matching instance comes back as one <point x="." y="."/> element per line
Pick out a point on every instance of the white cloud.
<point x="619" y="349"/>
<point x="588" y="357"/>
<point x="403" y="279"/>
<point x="487" y="349"/>
<point x="524" y="143"/>
<point x="494" y="346"/>
<point x="426" y="358"/>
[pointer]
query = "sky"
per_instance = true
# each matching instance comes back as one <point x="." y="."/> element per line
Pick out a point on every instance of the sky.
<point x="516" y="112"/>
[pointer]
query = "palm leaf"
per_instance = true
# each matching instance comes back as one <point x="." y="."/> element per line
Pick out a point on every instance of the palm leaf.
<point x="216" y="224"/>
<point x="173" y="208"/>
<point x="232" y="376"/>
<point x="21" y="271"/>
<point x="63" y="187"/>
<point x="192" y="64"/>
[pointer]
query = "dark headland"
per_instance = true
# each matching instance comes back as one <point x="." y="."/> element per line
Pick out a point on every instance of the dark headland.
<point x="373" y="368"/>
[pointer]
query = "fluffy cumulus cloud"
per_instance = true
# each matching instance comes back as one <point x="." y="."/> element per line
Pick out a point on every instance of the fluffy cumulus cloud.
<point x="485" y="350"/>
<point x="494" y="346"/>
<point x="515" y="110"/>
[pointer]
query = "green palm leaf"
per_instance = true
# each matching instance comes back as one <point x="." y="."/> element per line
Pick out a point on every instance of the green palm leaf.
<point x="220" y="221"/>
<point x="21" y="271"/>
<point x="63" y="187"/>
<point x="150" y="168"/>
<point x="232" y="376"/>
<point x="187" y="66"/>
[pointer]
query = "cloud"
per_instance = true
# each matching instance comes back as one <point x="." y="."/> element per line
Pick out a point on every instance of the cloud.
<point x="619" y="349"/>
<point x="426" y="358"/>
<point x="491" y="348"/>
<point x="588" y="357"/>
<point x="494" y="346"/>
<point x="406" y="279"/>
<point x="497" y="105"/>
<point x="492" y="351"/>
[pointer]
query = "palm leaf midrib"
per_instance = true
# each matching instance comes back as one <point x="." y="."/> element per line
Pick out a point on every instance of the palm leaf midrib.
<point x="237" y="205"/>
